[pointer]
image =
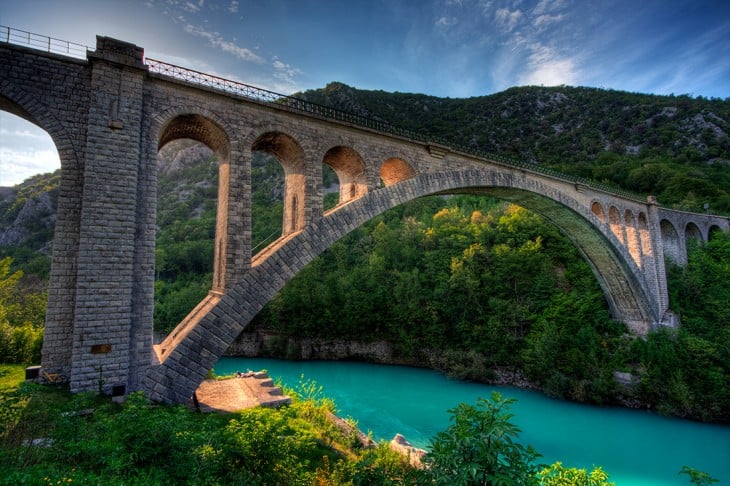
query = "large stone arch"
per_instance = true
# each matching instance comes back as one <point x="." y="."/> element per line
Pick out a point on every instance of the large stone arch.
<point x="60" y="309"/>
<point x="179" y="374"/>
<point x="290" y="155"/>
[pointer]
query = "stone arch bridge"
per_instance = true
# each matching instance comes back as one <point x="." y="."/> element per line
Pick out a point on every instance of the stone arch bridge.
<point x="111" y="110"/>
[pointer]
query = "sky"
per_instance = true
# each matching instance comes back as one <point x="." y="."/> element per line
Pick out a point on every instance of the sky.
<point x="448" y="48"/>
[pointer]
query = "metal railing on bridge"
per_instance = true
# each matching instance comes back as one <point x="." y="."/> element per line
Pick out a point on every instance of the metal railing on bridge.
<point x="42" y="42"/>
<point x="72" y="49"/>
<point x="298" y="104"/>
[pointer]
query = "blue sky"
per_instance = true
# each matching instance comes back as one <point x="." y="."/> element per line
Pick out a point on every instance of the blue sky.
<point x="455" y="48"/>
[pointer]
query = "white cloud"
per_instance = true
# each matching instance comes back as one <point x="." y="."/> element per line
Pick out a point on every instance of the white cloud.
<point x="544" y="20"/>
<point x="284" y="72"/>
<point x="233" y="7"/>
<point x="191" y="7"/>
<point x="547" y="68"/>
<point x="446" y="21"/>
<point x="217" y="41"/>
<point x="17" y="165"/>
<point x="508" y="19"/>
<point x="544" y="6"/>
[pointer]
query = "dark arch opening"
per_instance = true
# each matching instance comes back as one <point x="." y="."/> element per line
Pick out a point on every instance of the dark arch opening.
<point x="692" y="231"/>
<point x="192" y="216"/>
<point x="350" y="170"/>
<point x="290" y="156"/>
<point x="670" y="240"/>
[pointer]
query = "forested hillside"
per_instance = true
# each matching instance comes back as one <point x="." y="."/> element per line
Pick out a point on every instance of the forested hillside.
<point x="472" y="286"/>
<point x="674" y="147"/>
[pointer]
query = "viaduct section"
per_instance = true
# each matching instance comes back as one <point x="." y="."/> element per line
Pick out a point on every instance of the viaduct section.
<point x="112" y="111"/>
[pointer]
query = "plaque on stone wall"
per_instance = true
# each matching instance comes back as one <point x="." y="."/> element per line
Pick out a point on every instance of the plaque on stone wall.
<point x="101" y="348"/>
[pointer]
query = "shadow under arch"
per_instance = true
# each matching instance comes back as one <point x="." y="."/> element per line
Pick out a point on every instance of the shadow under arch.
<point x="206" y="131"/>
<point x="290" y="156"/>
<point x="351" y="172"/>
<point x="217" y="329"/>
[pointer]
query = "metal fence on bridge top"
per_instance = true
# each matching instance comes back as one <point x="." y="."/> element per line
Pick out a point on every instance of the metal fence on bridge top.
<point x="56" y="46"/>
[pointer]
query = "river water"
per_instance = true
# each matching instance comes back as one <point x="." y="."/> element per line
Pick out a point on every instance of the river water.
<point x="636" y="448"/>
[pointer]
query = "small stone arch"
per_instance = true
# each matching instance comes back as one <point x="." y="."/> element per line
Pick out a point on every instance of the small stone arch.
<point x="394" y="170"/>
<point x="597" y="210"/>
<point x="351" y="172"/>
<point x="692" y="231"/>
<point x="204" y="130"/>
<point x="633" y="242"/>
<point x="617" y="227"/>
<point x="714" y="231"/>
<point x="290" y="155"/>
<point x="670" y="241"/>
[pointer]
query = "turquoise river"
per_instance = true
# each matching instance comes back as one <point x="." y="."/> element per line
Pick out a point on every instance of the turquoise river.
<point x="634" y="447"/>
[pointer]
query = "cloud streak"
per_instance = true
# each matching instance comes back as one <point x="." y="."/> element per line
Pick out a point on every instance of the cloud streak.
<point x="219" y="42"/>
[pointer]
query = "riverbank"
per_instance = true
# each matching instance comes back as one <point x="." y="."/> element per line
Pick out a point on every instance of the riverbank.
<point x="637" y="448"/>
<point x="461" y="365"/>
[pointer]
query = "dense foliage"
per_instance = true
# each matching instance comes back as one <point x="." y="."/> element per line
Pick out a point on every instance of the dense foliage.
<point x="21" y="318"/>
<point x="49" y="436"/>
<point x="472" y="286"/>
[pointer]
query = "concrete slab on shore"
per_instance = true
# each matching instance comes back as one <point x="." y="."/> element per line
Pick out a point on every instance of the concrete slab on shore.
<point x="233" y="394"/>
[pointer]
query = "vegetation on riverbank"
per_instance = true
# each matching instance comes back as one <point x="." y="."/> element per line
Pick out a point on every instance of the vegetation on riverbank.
<point x="49" y="436"/>
<point x="469" y="285"/>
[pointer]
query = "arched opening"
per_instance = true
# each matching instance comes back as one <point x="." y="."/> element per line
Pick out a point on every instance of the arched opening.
<point x="290" y="156"/>
<point x="350" y="170"/>
<point x="330" y="188"/>
<point x="670" y="240"/>
<point x="597" y="210"/>
<point x="192" y="216"/>
<point x="713" y="232"/>
<point x="692" y="231"/>
<point x="30" y="187"/>
<point x="26" y="150"/>
<point x="395" y="170"/>
<point x="632" y="237"/>
<point x="267" y="200"/>
<point x="617" y="228"/>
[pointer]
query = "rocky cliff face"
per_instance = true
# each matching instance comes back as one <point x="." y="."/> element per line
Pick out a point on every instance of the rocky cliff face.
<point x="28" y="213"/>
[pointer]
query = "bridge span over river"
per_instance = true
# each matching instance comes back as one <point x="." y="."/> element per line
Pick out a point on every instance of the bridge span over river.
<point x="109" y="111"/>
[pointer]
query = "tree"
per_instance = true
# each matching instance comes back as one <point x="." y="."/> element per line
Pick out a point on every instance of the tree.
<point x="557" y="475"/>
<point x="480" y="447"/>
<point x="21" y="318"/>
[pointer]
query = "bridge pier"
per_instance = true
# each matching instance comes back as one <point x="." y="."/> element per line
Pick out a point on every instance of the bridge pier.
<point x="111" y="333"/>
